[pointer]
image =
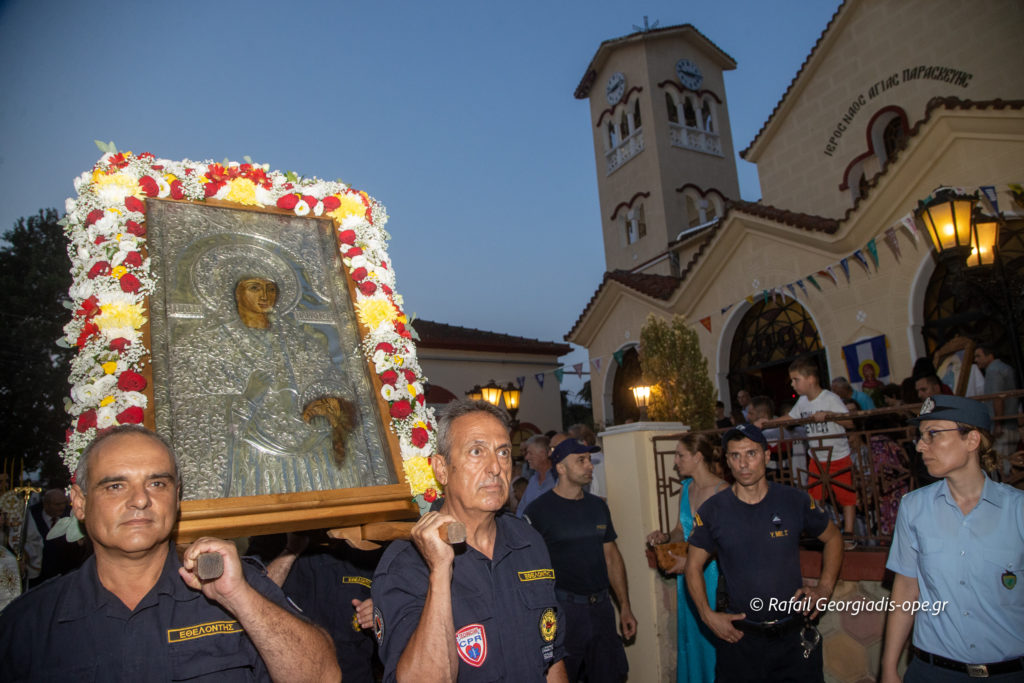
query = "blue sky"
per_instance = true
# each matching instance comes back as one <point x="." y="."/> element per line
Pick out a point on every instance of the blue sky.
<point x="458" y="116"/>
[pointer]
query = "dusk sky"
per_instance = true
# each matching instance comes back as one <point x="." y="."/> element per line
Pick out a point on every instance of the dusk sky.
<point x="458" y="116"/>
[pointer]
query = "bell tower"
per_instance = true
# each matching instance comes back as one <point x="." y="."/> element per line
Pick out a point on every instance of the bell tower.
<point x="663" y="147"/>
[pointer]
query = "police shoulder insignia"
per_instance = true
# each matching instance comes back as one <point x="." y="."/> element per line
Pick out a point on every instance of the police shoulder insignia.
<point x="378" y="625"/>
<point x="548" y="625"/>
<point x="355" y="622"/>
<point x="1009" y="580"/>
<point x="536" y="574"/>
<point x="471" y="642"/>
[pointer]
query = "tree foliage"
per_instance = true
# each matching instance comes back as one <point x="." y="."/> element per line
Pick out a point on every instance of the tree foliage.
<point x="677" y="372"/>
<point x="34" y="278"/>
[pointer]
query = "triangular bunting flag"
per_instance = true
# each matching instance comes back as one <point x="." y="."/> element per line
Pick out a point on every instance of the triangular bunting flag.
<point x="597" y="364"/>
<point x="618" y="356"/>
<point x="559" y="374"/>
<point x="862" y="260"/>
<point x="832" y="274"/>
<point x="989" y="193"/>
<point x="764" y="295"/>
<point x="826" y="274"/>
<point x="810" y="278"/>
<point x="800" y="284"/>
<point x="724" y="310"/>
<point x="911" y="225"/>
<point x="892" y="240"/>
<point x="521" y="381"/>
<point x="844" y="263"/>
<point x="750" y="299"/>
<point x="578" y="367"/>
<point x="540" y="379"/>
<point x="873" y="251"/>
<point x="792" y="292"/>
<point x="706" y="322"/>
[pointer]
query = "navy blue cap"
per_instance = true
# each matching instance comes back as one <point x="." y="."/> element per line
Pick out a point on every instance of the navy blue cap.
<point x="744" y="431"/>
<point x="955" y="409"/>
<point x="569" y="447"/>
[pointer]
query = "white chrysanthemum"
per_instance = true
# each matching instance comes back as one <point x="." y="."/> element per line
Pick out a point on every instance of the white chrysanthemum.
<point x="80" y="291"/>
<point x="106" y="417"/>
<point x="165" y="187"/>
<point x="351" y="222"/>
<point x="388" y="392"/>
<point x="302" y="208"/>
<point x="132" y="399"/>
<point x="266" y="197"/>
<point x="382" y="365"/>
<point x="85" y="392"/>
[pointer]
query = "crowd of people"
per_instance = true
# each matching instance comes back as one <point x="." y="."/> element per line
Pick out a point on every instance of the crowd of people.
<point x="539" y="590"/>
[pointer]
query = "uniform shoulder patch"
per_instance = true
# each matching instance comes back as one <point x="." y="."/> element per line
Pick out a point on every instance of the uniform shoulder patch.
<point x="548" y="625"/>
<point x="536" y="574"/>
<point x="361" y="580"/>
<point x="210" y="628"/>
<point x="471" y="642"/>
<point x="378" y="625"/>
<point x="697" y="520"/>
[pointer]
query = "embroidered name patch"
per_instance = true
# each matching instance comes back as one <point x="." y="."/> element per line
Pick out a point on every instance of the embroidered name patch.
<point x="471" y="642"/>
<point x="537" y="575"/>
<point x="361" y="580"/>
<point x="213" y="628"/>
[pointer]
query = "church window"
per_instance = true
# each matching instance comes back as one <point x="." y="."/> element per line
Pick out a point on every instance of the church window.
<point x="635" y="224"/>
<point x="673" y="111"/>
<point x="892" y="136"/>
<point x="611" y="136"/>
<point x="636" y="115"/>
<point x="624" y="126"/>
<point x="692" y="212"/>
<point x="705" y="116"/>
<point x="689" y="115"/>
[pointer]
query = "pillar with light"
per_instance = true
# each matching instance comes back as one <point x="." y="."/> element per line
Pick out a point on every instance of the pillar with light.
<point x="642" y="395"/>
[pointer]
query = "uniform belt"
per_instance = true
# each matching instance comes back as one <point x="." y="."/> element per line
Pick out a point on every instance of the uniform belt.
<point x="972" y="670"/>
<point x="591" y="599"/>
<point x="769" y="629"/>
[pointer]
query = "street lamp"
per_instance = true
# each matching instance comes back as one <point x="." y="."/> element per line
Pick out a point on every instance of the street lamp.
<point x="511" y="393"/>
<point x="475" y="394"/>
<point x="642" y="395"/>
<point x="946" y="215"/>
<point x="492" y="393"/>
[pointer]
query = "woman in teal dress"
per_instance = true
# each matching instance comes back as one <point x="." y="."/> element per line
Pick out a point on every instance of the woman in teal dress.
<point x="695" y="463"/>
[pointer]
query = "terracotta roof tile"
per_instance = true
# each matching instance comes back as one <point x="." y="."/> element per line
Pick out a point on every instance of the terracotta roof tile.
<point x="795" y="219"/>
<point x="434" y="335"/>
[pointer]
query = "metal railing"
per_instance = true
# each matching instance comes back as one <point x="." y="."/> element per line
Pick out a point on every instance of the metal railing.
<point x="884" y="466"/>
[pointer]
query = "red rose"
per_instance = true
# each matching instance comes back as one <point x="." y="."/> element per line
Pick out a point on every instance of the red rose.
<point x="288" y="201"/>
<point x="149" y="186"/>
<point x="119" y="344"/>
<point x="94" y="216"/>
<point x="88" y="330"/>
<point x="420" y="437"/>
<point x="131" y="381"/>
<point x="389" y="377"/>
<point x="129" y="283"/>
<point x="133" y="259"/>
<point x="86" y="421"/>
<point x="310" y="199"/>
<point x="136" y="229"/>
<point x="131" y="416"/>
<point x="410" y="376"/>
<point x="400" y="409"/>
<point x="90" y="307"/>
<point x="400" y="329"/>
<point x="177" y="190"/>
<point x="367" y="287"/>
<point x="421" y="398"/>
<point x="100" y="239"/>
<point x="148" y="155"/>
<point x="430" y="495"/>
<point x="98" y="268"/>
<point x="331" y="203"/>
<point x="385" y="347"/>
<point x="353" y="252"/>
<point x="212" y="188"/>
<point x="386" y="289"/>
<point x="359" y="274"/>
<point x="347" y="236"/>
<point x="135" y="204"/>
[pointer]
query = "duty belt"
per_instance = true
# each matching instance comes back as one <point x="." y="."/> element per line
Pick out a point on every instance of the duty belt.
<point x="769" y="629"/>
<point x="591" y="599"/>
<point x="972" y="670"/>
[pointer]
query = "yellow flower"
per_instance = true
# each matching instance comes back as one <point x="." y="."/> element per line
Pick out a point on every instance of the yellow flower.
<point x="117" y="272"/>
<point x="420" y="475"/>
<point x="106" y="401"/>
<point x="412" y="390"/>
<point x="119" y="182"/>
<point x="109" y="367"/>
<point x="170" y="178"/>
<point x="117" y="315"/>
<point x="242" y="191"/>
<point x="374" y="312"/>
<point x="351" y="205"/>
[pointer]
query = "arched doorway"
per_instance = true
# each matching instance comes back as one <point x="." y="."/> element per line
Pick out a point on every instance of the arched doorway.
<point x="768" y="338"/>
<point x="977" y="305"/>
<point x="626" y="375"/>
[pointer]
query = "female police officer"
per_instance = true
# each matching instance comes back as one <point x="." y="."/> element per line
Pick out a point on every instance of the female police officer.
<point x="957" y="551"/>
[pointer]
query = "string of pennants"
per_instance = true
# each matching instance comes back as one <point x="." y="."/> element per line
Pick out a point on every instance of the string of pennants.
<point x="863" y="258"/>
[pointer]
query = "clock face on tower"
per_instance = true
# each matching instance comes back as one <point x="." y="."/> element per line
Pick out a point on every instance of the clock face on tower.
<point x="689" y="74"/>
<point x="616" y="88"/>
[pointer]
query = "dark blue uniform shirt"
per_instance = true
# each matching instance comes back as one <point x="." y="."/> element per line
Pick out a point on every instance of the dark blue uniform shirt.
<point x="507" y="625"/>
<point x="73" y="629"/>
